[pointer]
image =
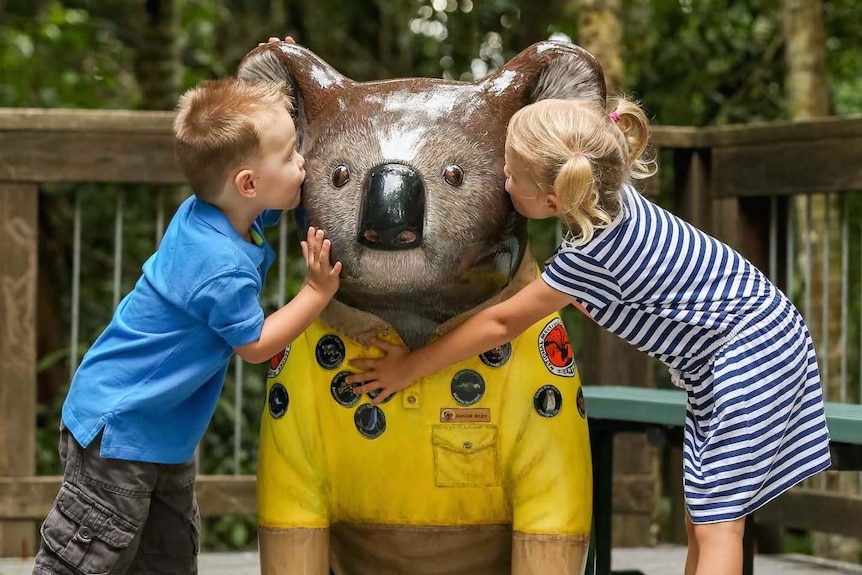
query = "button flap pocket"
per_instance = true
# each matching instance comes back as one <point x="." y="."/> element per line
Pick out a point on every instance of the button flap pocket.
<point x="465" y="455"/>
<point x="104" y="523"/>
<point x="466" y="438"/>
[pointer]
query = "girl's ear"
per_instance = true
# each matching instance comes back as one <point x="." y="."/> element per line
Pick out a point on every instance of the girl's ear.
<point x="245" y="184"/>
<point x="553" y="202"/>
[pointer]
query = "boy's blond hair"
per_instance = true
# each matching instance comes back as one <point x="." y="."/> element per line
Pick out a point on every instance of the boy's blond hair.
<point x="217" y="128"/>
<point x="582" y="153"/>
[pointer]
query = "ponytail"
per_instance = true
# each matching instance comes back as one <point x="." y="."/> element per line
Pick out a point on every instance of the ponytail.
<point x="581" y="201"/>
<point x="633" y="123"/>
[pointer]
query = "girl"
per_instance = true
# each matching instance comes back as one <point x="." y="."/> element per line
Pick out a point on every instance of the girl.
<point x="755" y="423"/>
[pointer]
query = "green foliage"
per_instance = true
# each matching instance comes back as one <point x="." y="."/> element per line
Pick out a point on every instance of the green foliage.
<point x="709" y="62"/>
<point x="64" y="57"/>
<point x="844" y="54"/>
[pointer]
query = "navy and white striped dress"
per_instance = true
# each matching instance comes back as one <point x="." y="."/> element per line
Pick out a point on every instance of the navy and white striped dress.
<point x="755" y="424"/>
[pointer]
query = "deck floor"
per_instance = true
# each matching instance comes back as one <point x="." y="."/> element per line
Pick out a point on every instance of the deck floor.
<point x="661" y="560"/>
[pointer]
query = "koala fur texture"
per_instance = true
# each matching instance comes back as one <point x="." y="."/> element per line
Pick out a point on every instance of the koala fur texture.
<point x="406" y="177"/>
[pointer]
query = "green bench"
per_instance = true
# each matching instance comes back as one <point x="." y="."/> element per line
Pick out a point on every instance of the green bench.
<point x="660" y="414"/>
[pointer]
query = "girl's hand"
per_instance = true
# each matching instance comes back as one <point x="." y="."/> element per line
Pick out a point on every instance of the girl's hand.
<point x="321" y="276"/>
<point x="386" y="374"/>
<point x="288" y="39"/>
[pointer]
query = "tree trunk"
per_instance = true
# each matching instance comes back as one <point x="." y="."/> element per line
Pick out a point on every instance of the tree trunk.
<point x="533" y="22"/>
<point x="600" y="32"/>
<point x="808" y="96"/>
<point x="157" y="65"/>
<point x="805" y="51"/>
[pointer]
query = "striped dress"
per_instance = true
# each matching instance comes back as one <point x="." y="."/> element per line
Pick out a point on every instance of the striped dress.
<point x="755" y="424"/>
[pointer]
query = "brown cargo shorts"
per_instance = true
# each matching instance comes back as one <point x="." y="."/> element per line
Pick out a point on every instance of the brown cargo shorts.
<point x="119" y="516"/>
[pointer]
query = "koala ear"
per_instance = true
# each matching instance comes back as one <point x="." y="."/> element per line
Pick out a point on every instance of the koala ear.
<point x="546" y="70"/>
<point x="314" y="84"/>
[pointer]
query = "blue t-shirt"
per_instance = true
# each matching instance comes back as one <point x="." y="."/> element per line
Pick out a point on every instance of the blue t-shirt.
<point x="152" y="378"/>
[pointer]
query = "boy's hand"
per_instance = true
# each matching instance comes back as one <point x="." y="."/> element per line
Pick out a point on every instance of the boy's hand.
<point x="321" y="276"/>
<point x="387" y="374"/>
<point x="288" y="39"/>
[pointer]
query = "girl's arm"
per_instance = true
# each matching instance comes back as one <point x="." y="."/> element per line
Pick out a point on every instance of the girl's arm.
<point x="489" y="328"/>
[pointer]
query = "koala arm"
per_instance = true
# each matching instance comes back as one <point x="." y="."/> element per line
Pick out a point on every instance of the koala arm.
<point x="551" y="470"/>
<point x="293" y="534"/>
<point x="293" y="484"/>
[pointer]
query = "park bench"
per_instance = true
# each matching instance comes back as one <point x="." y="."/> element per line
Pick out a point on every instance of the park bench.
<point x="660" y="414"/>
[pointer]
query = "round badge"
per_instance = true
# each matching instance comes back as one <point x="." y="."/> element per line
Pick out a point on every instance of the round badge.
<point x="468" y="387"/>
<point x="548" y="401"/>
<point x="342" y="392"/>
<point x="370" y="420"/>
<point x="278" y="401"/>
<point x="555" y="349"/>
<point x="276" y="362"/>
<point x="582" y="403"/>
<point x="447" y="414"/>
<point x="329" y="351"/>
<point x="376" y="392"/>
<point x="498" y="356"/>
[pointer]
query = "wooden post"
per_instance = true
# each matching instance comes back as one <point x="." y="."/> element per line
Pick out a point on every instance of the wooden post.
<point x="18" y="273"/>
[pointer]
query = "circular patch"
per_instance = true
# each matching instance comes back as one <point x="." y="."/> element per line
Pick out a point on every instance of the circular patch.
<point x="370" y="420"/>
<point x="498" y="356"/>
<point x="555" y="349"/>
<point x="342" y="392"/>
<point x="276" y="362"/>
<point x="278" y="401"/>
<point x="468" y="387"/>
<point x="582" y="403"/>
<point x="548" y="401"/>
<point x="447" y="414"/>
<point x="329" y="351"/>
<point x="376" y="392"/>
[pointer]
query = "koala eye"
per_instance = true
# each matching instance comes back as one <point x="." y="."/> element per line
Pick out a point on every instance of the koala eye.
<point x="454" y="175"/>
<point x="340" y="175"/>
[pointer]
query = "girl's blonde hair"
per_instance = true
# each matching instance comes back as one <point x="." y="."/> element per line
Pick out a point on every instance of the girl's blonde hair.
<point x="583" y="154"/>
<point x="217" y="128"/>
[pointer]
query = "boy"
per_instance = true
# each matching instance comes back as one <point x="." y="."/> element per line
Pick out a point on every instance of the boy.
<point x="147" y="388"/>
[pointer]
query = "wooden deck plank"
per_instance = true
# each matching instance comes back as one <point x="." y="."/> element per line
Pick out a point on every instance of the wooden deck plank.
<point x="660" y="560"/>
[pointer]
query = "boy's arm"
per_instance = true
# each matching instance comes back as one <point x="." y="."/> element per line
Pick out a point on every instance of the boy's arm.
<point x="283" y="326"/>
<point x="487" y="329"/>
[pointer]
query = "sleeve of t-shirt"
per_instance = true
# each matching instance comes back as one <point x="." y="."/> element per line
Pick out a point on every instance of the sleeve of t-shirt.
<point x="230" y="305"/>
<point x="583" y="278"/>
<point x="270" y="218"/>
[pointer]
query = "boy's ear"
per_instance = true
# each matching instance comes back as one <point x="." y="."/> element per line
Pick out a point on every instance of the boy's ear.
<point x="245" y="183"/>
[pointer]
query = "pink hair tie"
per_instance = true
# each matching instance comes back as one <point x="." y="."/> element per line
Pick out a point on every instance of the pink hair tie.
<point x="577" y="154"/>
<point x="615" y="117"/>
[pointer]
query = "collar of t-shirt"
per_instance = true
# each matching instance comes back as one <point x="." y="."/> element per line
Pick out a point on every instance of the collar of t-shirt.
<point x="215" y="218"/>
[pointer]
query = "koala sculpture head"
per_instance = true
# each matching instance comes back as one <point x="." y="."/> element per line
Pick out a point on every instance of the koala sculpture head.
<point x="406" y="175"/>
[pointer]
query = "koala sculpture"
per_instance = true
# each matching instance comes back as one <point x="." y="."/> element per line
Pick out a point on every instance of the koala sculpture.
<point x="483" y="468"/>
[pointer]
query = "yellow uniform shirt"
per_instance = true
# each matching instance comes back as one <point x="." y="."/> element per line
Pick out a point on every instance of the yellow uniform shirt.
<point x="499" y="439"/>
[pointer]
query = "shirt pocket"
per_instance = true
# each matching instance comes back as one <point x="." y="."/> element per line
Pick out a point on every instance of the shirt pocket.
<point x="84" y="533"/>
<point x="465" y="455"/>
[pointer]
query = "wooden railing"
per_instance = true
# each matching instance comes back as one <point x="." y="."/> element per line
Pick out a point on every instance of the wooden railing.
<point x="733" y="182"/>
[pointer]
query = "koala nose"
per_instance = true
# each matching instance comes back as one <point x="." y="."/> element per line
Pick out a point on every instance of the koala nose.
<point x="393" y="211"/>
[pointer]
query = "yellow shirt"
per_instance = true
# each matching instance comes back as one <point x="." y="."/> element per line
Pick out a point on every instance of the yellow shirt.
<point x="498" y="439"/>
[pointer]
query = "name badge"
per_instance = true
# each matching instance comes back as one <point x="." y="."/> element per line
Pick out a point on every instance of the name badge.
<point x="461" y="414"/>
